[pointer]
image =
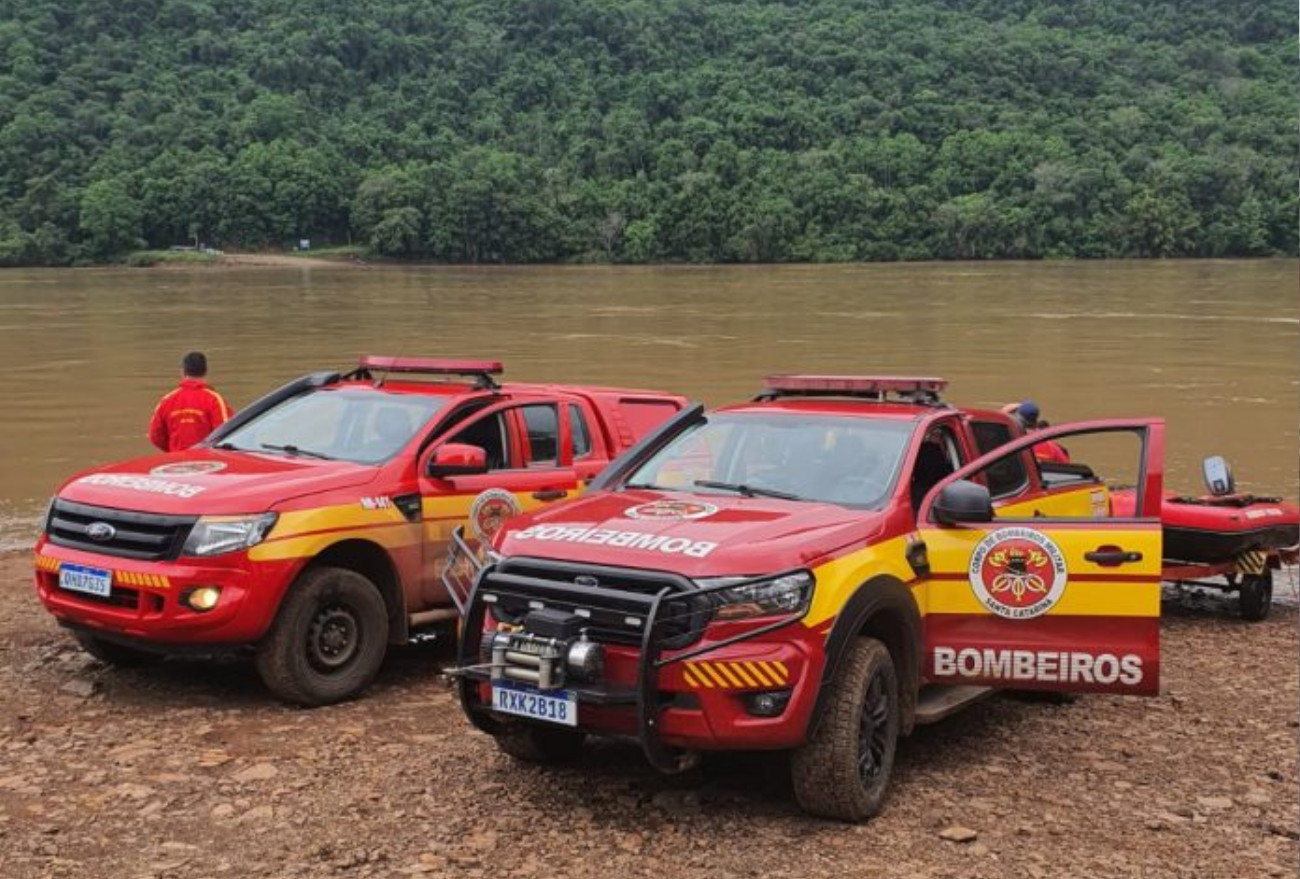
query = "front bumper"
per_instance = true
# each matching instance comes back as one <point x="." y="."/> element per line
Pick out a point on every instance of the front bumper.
<point x="667" y="696"/>
<point x="144" y="605"/>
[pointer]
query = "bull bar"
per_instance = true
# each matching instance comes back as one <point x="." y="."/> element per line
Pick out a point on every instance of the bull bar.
<point x="470" y="579"/>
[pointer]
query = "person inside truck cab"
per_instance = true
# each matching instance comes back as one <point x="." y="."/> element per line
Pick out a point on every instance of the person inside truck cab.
<point x="932" y="465"/>
<point x="392" y="428"/>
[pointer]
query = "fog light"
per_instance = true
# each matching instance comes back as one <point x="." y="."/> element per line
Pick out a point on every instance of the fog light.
<point x="202" y="599"/>
<point x="770" y="704"/>
<point x="586" y="660"/>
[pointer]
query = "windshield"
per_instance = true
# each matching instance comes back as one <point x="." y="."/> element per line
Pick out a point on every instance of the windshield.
<point x="849" y="461"/>
<point x="363" y="426"/>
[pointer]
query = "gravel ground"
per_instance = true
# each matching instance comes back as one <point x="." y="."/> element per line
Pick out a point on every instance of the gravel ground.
<point x="191" y="770"/>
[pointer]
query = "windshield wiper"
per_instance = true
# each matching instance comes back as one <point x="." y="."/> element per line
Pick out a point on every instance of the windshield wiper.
<point x="748" y="490"/>
<point x="291" y="449"/>
<point x="229" y="447"/>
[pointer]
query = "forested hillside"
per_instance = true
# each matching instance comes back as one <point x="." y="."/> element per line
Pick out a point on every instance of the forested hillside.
<point x="650" y="130"/>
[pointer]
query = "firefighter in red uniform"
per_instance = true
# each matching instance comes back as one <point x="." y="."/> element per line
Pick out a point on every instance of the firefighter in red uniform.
<point x="1028" y="414"/>
<point x="189" y="413"/>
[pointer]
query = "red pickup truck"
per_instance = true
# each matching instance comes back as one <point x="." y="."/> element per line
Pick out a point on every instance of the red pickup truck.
<point x="312" y="526"/>
<point x="818" y="570"/>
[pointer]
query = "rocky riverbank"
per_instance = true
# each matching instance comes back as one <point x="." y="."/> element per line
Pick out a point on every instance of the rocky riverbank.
<point x="190" y="769"/>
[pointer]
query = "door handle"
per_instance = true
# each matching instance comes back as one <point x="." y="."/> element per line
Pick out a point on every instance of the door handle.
<point x="1110" y="557"/>
<point x="550" y="494"/>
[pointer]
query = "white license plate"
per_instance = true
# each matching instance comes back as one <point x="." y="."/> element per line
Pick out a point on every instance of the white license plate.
<point x="80" y="578"/>
<point x="558" y="706"/>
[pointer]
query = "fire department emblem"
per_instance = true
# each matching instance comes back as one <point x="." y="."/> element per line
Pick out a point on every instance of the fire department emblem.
<point x="187" y="468"/>
<point x="489" y="512"/>
<point x="661" y="511"/>
<point x="1018" y="573"/>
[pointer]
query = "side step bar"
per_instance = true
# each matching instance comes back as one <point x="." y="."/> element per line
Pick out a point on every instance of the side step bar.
<point x="936" y="701"/>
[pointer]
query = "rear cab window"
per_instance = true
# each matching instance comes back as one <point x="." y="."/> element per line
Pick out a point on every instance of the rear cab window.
<point x="1009" y="476"/>
<point x="579" y="433"/>
<point x="542" y="433"/>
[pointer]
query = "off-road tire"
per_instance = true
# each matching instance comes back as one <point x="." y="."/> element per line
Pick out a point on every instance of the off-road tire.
<point x="540" y="744"/>
<point x="834" y="777"/>
<point x="1255" y="595"/>
<point x="111" y="653"/>
<point x="328" y="640"/>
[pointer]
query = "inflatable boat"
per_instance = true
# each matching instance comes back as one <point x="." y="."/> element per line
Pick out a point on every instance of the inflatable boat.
<point x="1224" y="540"/>
<point x="1219" y="528"/>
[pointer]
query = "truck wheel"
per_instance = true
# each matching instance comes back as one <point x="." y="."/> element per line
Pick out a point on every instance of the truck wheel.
<point x="843" y="771"/>
<point x="111" y="653"/>
<point x="1256" y="595"/>
<point x="328" y="639"/>
<point x="540" y="744"/>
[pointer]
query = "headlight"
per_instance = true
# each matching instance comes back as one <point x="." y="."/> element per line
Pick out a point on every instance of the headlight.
<point x="788" y="594"/>
<point x="213" y="535"/>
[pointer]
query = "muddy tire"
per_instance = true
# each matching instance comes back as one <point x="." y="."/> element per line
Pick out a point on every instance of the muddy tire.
<point x="111" y="653"/>
<point x="1255" y="595"/>
<point x="843" y="771"/>
<point x="327" y="641"/>
<point x="540" y="744"/>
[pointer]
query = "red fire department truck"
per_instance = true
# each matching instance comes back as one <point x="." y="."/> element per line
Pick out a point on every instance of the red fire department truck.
<point x="819" y="570"/>
<point x="312" y="525"/>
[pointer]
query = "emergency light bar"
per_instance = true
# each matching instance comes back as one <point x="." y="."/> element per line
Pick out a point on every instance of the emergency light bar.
<point x="874" y="387"/>
<point x="481" y="370"/>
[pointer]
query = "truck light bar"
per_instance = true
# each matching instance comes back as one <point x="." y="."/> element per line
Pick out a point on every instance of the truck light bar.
<point x="480" y="370"/>
<point x="911" y="389"/>
<point x="431" y="365"/>
<point x="855" y="384"/>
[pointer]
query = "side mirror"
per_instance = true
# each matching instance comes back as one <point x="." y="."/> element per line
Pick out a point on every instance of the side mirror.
<point x="456" y="459"/>
<point x="963" y="501"/>
<point x="1218" y="476"/>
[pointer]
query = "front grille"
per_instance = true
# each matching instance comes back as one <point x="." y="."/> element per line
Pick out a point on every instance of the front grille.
<point x="617" y="608"/>
<point x="145" y="536"/>
<point x="121" y="596"/>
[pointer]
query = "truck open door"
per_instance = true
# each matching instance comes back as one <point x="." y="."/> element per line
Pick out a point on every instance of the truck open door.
<point x="1049" y="592"/>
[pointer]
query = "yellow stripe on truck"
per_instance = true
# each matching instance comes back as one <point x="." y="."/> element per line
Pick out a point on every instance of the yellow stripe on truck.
<point x="305" y="533"/>
<point x="1081" y="598"/>
<point x="838" y="579"/>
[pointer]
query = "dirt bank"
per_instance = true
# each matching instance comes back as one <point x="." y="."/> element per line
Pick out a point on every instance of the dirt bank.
<point x="191" y="770"/>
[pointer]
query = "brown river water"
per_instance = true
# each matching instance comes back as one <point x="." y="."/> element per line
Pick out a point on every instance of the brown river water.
<point x="1210" y="346"/>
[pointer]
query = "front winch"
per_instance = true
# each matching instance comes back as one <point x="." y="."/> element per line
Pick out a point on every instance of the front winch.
<point x="550" y="647"/>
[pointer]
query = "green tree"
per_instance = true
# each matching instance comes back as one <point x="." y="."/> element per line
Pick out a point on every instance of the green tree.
<point x="110" y="217"/>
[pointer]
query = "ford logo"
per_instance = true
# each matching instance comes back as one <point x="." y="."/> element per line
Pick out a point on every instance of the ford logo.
<point x="100" y="532"/>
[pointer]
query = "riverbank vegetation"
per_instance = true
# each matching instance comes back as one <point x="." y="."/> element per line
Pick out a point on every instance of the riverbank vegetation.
<point x="637" y="131"/>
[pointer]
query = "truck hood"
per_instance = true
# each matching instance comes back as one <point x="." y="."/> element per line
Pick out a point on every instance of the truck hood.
<point x="210" y="482"/>
<point x="689" y="534"/>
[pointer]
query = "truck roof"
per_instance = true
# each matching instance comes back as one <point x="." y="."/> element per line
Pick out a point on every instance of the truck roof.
<point x="505" y="389"/>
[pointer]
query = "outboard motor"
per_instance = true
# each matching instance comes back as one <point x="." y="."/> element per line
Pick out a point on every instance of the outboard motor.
<point x="1218" y="476"/>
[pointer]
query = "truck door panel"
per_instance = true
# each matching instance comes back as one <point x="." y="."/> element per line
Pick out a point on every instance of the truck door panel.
<point x="1053" y="593"/>
<point x="509" y="487"/>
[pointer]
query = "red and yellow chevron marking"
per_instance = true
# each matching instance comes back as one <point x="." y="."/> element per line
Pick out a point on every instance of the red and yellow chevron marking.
<point x="126" y="578"/>
<point x="757" y="675"/>
<point x="155" y="581"/>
